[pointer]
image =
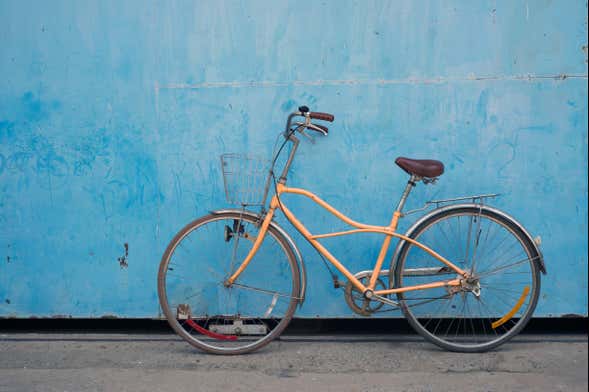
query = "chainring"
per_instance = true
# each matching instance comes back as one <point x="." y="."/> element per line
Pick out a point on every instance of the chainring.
<point x="355" y="299"/>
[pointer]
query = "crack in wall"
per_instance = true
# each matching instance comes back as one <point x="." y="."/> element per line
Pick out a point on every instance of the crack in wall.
<point x="342" y="82"/>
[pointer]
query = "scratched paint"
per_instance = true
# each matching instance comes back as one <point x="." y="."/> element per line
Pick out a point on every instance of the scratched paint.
<point x="113" y="115"/>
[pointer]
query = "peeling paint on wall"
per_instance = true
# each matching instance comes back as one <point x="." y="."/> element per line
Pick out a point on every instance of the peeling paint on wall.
<point x="123" y="259"/>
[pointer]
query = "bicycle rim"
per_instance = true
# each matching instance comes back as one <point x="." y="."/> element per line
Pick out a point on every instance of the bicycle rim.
<point x="219" y="319"/>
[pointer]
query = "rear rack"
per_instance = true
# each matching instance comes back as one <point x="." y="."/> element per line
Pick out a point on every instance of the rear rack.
<point x="437" y="203"/>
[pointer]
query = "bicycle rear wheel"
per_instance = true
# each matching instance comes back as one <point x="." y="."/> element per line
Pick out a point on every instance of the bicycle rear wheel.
<point x="227" y="320"/>
<point x="489" y="308"/>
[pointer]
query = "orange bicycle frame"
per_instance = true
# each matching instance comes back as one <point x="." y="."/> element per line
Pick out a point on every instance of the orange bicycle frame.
<point x="389" y="232"/>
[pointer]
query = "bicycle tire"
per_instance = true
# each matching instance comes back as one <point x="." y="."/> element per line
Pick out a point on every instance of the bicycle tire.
<point x="206" y="320"/>
<point x="501" y="309"/>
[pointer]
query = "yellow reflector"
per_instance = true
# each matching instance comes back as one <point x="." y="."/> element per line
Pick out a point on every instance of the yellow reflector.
<point x="510" y="314"/>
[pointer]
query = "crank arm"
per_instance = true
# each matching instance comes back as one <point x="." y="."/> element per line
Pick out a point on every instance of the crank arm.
<point x="384" y="300"/>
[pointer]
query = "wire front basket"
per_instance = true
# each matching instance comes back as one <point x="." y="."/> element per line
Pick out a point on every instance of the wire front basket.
<point x="246" y="179"/>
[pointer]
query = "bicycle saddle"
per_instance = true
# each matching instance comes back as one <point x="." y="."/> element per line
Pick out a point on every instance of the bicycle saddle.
<point x="421" y="167"/>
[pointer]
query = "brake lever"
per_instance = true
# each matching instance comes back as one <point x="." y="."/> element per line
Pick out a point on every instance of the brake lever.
<point x="317" y="128"/>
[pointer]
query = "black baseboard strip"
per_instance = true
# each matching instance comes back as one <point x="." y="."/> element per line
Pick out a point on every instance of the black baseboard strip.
<point x="297" y="326"/>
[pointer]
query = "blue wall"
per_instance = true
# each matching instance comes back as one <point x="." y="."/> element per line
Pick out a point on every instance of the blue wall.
<point x="113" y="115"/>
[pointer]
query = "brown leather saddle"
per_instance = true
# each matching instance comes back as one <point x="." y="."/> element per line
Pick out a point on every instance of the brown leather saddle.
<point x="428" y="168"/>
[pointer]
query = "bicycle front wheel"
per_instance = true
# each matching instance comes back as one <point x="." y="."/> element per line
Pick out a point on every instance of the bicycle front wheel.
<point x="494" y="303"/>
<point x="228" y="320"/>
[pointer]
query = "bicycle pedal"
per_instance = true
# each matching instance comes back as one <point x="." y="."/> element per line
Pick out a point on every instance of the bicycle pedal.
<point x="237" y="327"/>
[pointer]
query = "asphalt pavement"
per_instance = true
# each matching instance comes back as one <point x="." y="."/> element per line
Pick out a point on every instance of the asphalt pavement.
<point x="162" y="362"/>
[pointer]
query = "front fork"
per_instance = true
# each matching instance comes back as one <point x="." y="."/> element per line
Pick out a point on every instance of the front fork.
<point x="257" y="243"/>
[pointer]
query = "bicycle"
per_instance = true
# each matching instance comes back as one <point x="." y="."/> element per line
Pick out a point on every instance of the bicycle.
<point x="229" y="282"/>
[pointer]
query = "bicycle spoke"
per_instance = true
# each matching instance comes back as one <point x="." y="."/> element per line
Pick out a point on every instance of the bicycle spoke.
<point x="264" y="291"/>
<point x="498" y="269"/>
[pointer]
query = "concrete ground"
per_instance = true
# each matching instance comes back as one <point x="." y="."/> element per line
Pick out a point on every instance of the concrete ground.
<point x="162" y="362"/>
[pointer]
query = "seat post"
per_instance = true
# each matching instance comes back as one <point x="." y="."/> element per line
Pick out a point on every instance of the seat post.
<point x="405" y="195"/>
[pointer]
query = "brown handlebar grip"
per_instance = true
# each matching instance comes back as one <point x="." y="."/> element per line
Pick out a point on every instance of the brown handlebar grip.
<point x="322" y="116"/>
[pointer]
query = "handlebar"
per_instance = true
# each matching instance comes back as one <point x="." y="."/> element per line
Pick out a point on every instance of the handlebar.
<point x="304" y="112"/>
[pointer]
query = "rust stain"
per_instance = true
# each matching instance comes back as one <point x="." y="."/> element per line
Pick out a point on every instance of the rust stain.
<point x="123" y="259"/>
